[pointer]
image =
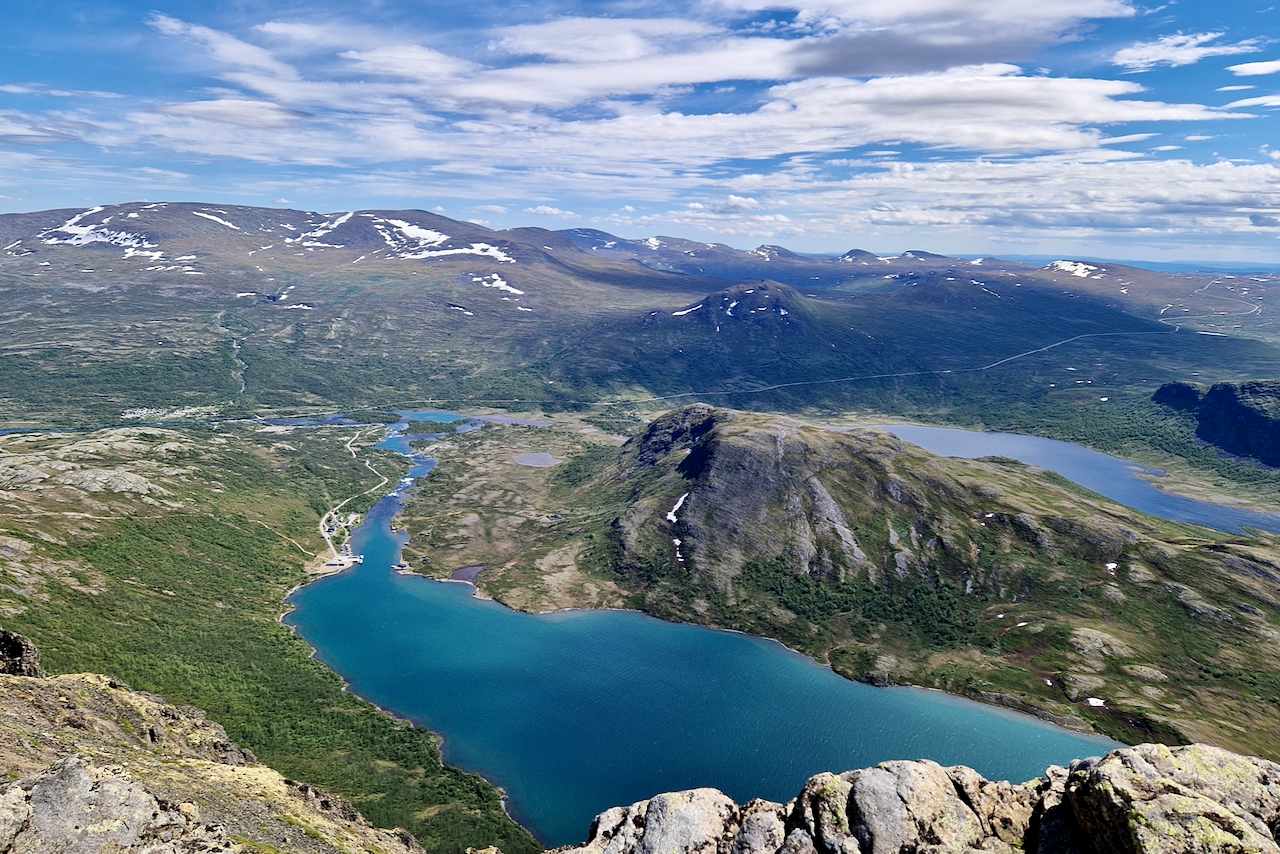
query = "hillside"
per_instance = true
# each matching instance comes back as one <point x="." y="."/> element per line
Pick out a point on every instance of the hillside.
<point x="161" y="558"/>
<point x="173" y="311"/>
<point x="100" y="767"/>
<point x="1239" y="418"/>
<point x="987" y="578"/>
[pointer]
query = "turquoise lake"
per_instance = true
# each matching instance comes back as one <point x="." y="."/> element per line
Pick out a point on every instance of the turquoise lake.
<point x="575" y="712"/>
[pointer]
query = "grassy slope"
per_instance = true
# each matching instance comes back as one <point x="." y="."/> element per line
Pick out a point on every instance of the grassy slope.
<point x="186" y="605"/>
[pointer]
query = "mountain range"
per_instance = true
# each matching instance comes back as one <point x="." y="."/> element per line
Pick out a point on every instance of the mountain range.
<point x="688" y="388"/>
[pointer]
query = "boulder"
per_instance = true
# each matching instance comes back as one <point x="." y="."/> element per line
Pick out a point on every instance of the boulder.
<point x="1154" y="799"/>
<point x="19" y="656"/>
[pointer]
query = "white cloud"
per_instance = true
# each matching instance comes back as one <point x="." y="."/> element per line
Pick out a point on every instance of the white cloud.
<point x="564" y="84"/>
<point x="597" y="39"/>
<point x="1178" y="50"/>
<point x="1262" y="101"/>
<point x="1255" y="69"/>
<point x="1047" y="13"/>
<point x="302" y="38"/>
<point x="251" y="114"/>
<point x="222" y="47"/>
<point x="547" y="210"/>
<point x="1234" y="88"/>
<point x="409" y="61"/>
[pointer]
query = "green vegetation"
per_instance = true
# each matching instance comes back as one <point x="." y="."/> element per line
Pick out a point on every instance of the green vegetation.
<point x="186" y="606"/>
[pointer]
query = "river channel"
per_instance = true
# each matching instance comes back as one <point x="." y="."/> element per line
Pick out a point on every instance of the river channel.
<point x="575" y="712"/>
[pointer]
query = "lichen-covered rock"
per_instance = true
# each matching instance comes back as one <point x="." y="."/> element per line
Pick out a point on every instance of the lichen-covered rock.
<point x="71" y="808"/>
<point x="106" y="769"/>
<point x="910" y="806"/>
<point x="1154" y="798"/>
<point x="1003" y="810"/>
<point x="699" y="821"/>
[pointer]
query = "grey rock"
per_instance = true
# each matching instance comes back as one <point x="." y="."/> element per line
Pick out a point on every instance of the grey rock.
<point x="71" y="809"/>
<point x="19" y="656"/>
<point x="1154" y="798"/>
<point x="1149" y="799"/>
<point x="910" y="806"/>
<point x="761" y="829"/>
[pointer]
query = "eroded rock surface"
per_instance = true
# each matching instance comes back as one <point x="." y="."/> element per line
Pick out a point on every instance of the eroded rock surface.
<point x="101" y="768"/>
<point x="18" y="655"/>
<point x="73" y="808"/>
<point x="1149" y="799"/>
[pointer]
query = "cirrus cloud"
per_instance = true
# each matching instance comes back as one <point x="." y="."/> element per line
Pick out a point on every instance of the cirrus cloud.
<point x="1178" y="50"/>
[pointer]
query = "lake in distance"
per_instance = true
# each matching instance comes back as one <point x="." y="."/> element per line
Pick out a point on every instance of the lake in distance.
<point x="1114" y="478"/>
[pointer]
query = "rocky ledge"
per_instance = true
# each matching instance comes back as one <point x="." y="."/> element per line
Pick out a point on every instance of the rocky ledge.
<point x="1150" y="798"/>
<point x="94" y="767"/>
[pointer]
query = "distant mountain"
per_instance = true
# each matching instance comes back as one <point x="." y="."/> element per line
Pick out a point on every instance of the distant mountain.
<point x="776" y="263"/>
<point x="185" y="307"/>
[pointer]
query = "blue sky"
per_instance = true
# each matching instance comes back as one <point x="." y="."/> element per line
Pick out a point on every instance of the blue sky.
<point x="1108" y="128"/>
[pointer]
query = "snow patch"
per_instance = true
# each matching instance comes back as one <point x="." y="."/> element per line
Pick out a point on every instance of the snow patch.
<point x="686" y="311"/>
<point x="474" y="249"/>
<point x="312" y="238"/>
<point x="83" y="235"/>
<point x="671" y="516"/>
<point x="219" y="220"/>
<point x="1075" y="268"/>
<point x="497" y="282"/>
<point x="654" y="243"/>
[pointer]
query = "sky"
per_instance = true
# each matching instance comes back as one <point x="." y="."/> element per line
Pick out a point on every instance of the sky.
<point x="1126" y="129"/>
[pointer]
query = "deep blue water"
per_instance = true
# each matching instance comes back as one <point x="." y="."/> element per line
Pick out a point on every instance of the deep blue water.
<point x="1106" y="475"/>
<point x="576" y="712"/>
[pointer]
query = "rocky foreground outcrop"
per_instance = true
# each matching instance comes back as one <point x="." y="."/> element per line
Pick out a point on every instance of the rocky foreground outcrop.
<point x="95" y="767"/>
<point x="1149" y="799"/>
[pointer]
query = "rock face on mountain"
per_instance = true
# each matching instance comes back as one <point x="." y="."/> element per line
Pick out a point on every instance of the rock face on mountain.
<point x="99" y="767"/>
<point x="1149" y="799"/>
<point x="1239" y="418"/>
<point x="989" y="578"/>
<point x="18" y="655"/>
